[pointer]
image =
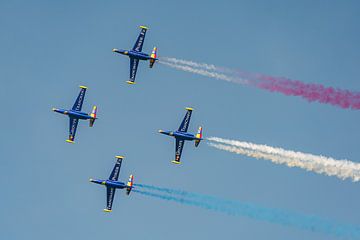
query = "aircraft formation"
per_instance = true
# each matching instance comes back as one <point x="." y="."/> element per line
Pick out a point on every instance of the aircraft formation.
<point x="75" y="114"/>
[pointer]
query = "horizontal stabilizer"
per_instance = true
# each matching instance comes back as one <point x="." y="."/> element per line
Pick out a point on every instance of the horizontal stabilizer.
<point x="153" y="57"/>
<point x="129" y="184"/>
<point x="198" y="136"/>
<point x="93" y="116"/>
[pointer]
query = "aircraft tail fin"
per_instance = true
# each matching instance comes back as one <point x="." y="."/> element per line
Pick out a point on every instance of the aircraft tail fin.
<point x="153" y="57"/>
<point x="198" y="136"/>
<point x="129" y="184"/>
<point x="93" y="116"/>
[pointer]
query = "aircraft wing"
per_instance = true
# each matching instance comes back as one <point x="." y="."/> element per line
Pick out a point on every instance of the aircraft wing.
<point x="72" y="129"/>
<point x="80" y="99"/>
<point x="133" y="69"/>
<point x="110" y="193"/>
<point x="186" y="121"/>
<point x="115" y="172"/>
<point x="178" y="150"/>
<point x="140" y="40"/>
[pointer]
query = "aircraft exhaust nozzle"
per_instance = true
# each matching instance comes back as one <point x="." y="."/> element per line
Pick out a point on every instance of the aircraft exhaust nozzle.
<point x="129" y="184"/>
<point x="198" y="136"/>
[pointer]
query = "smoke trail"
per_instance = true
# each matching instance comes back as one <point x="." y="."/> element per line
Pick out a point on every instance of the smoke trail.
<point x="206" y="73"/>
<point x="181" y="193"/>
<point x="309" y="91"/>
<point x="277" y="216"/>
<point x="342" y="169"/>
<point x="189" y="63"/>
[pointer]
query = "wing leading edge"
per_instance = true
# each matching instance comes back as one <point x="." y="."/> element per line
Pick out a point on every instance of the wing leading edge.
<point x="80" y="99"/>
<point x="110" y="193"/>
<point x="72" y="129"/>
<point x="186" y="121"/>
<point x="178" y="150"/>
<point x="133" y="69"/>
<point x="140" y="40"/>
<point x="114" y="176"/>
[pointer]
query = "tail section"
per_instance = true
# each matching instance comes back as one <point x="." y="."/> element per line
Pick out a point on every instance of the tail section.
<point x="93" y="116"/>
<point x="153" y="57"/>
<point x="198" y="136"/>
<point x="129" y="184"/>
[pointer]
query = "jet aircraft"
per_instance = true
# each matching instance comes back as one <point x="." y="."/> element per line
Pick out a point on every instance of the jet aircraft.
<point x="136" y="54"/>
<point x="75" y="114"/>
<point x="112" y="184"/>
<point x="181" y="135"/>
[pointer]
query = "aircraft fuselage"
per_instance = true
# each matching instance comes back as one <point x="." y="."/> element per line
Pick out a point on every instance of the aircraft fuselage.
<point x="73" y="114"/>
<point x="134" y="54"/>
<point x="109" y="183"/>
<point x="180" y="135"/>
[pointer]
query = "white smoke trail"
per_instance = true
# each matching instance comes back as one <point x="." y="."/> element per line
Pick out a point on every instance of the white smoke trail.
<point x="206" y="73"/>
<point x="342" y="169"/>
<point x="206" y="66"/>
<point x="190" y="63"/>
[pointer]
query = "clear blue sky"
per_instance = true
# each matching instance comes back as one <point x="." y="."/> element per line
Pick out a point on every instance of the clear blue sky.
<point x="49" y="48"/>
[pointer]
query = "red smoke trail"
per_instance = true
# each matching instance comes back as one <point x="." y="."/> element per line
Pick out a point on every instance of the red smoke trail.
<point x="309" y="91"/>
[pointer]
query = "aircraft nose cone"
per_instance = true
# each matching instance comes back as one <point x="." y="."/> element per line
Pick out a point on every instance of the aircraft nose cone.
<point x="54" y="109"/>
<point x="114" y="50"/>
<point x="161" y="131"/>
<point x="91" y="180"/>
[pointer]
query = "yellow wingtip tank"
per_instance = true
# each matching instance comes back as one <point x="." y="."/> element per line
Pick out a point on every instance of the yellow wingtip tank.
<point x="144" y="27"/>
<point x="189" y="108"/>
<point x="176" y="162"/>
<point x="130" y="82"/>
<point x="69" y="141"/>
<point x="107" y="210"/>
<point x="84" y="87"/>
<point x="119" y="157"/>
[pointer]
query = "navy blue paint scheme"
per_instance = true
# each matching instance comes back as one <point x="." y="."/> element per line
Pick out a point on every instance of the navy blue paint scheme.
<point x="112" y="184"/>
<point x="79" y="100"/>
<point x="181" y="135"/>
<point x="136" y="54"/>
<point x="75" y="114"/>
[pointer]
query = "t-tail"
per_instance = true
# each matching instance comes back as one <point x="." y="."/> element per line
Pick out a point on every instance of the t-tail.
<point x="129" y="184"/>
<point x="153" y="57"/>
<point x="93" y="116"/>
<point x="198" y="137"/>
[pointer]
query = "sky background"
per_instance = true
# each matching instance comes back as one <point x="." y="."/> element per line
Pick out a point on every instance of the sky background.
<point x="49" y="48"/>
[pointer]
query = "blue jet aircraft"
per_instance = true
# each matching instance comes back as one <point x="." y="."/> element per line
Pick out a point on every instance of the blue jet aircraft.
<point x="112" y="184"/>
<point x="181" y="135"/>
<point x="135" y="54"/>
<point x="75" y="114"/>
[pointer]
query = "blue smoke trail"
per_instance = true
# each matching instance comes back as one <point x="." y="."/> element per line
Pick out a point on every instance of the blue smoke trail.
<point x="234" y="208"/>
